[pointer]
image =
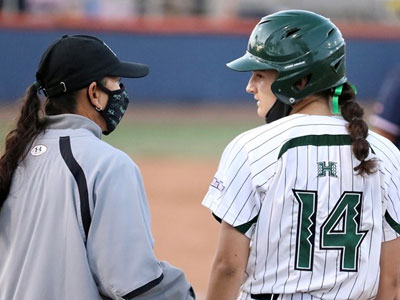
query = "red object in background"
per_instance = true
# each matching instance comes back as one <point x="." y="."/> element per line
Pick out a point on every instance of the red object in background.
<point x="178" y="25"/>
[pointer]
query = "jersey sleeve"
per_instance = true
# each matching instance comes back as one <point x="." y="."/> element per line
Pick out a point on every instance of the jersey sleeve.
<point x="231" y="196"/>
<point x="120" y="243"/>
<point x="391" y="194"/>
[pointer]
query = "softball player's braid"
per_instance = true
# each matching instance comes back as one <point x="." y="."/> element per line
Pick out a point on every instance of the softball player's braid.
<point x="353" y="113"/>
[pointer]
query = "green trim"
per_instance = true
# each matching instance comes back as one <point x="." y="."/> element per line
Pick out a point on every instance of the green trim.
<point x="219" y="220"/>
<point x="392" y="223"/>
<point x="316" y="140"/>
<point x="246" y="226"/>
<point x="241" y="228"/>
<point x="372" y="150"/>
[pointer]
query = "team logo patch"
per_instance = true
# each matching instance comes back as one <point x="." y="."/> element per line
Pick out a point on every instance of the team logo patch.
<point x="329" y="167"/>
<point x="218" y="184"/>
<point x="38" y="150"/>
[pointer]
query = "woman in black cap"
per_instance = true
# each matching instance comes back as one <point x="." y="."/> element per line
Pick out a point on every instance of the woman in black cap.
<point x="74" y="218"/>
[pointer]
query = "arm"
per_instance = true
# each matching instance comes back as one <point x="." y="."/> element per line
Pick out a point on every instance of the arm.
<point x="120" y="243"/>
<point x="229" y="264"/>
<point x="390" y="270"/>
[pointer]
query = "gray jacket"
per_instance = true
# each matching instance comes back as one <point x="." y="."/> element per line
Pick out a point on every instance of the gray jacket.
<point x="76" y="224"/>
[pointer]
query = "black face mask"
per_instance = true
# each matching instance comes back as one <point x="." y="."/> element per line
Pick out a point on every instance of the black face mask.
<point x="116" y="107"/>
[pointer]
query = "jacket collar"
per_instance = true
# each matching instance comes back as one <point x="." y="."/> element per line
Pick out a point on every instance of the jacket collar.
<point x="73" y="121"/>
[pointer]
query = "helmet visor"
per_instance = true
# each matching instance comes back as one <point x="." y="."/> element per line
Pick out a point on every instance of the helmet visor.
<point x="249" y="62"/>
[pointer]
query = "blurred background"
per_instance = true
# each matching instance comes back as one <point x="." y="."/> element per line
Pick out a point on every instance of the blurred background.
<point x="190" y="106"/>
<point x="367" y="10"/>
<point x="191" y="39"/>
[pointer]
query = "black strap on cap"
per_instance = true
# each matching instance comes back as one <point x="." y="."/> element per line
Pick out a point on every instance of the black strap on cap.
<point x="59" y="89"/>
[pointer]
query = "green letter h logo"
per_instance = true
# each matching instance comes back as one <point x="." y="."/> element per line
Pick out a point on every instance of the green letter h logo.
<point x="330" y="167"/>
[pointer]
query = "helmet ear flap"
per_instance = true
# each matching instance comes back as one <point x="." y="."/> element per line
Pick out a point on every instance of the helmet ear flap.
<point x="291" y="88"/>
<point x="302" y="83"/>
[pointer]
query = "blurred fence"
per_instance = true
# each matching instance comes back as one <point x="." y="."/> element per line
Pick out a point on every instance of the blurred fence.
<point x="187" y="56"/>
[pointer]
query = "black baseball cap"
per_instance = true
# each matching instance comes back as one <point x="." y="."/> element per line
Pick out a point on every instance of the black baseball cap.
<point x="74" y="61"/>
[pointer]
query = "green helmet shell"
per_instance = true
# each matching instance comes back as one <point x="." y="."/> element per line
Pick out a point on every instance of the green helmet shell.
<point x="297" y="44"/>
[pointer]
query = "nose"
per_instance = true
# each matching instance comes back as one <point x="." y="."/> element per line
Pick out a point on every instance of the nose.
<point x="250" y="86"/>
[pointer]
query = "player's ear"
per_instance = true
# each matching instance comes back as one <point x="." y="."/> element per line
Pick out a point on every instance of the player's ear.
<point x="93" y="94"/>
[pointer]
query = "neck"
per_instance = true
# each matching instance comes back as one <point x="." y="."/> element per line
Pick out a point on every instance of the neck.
<point x="312" y="105"/>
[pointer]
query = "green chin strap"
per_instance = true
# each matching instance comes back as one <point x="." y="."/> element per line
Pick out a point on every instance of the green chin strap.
<point x="335" y="100"/>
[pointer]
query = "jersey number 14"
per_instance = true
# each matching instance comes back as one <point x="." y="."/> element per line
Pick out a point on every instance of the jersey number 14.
<point x="340" y="231"/>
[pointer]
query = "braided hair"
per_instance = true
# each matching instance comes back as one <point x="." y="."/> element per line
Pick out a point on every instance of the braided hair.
<point x="357" y="128"/>
<point x="30" y="124"/>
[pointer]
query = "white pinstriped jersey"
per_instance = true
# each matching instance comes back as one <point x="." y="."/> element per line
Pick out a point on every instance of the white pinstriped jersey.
<point x="315" y="225"/>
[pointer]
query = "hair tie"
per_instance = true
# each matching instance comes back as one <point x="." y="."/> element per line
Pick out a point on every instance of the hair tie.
<point x="356" y="119"/>
<point x="335" y="100"/>
<point x="37" y="85"/>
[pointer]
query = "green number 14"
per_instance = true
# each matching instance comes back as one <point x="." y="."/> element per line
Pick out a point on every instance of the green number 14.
<point x="340" y="231"/>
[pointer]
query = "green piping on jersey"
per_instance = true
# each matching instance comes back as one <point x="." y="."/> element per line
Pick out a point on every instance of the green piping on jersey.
<point x="241" y="228"/>
<point x="316" y="140"/>
<point x="246" y="226"/>
<point x="392" y="223"/>
<point x="217" y="218"/>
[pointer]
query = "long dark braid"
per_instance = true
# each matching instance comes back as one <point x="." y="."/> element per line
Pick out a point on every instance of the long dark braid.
<point x="30" y="124"/>
<point x="353" y="113"/>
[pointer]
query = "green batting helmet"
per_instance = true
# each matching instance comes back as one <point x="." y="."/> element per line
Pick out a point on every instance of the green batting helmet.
<point x="297" y="44"/>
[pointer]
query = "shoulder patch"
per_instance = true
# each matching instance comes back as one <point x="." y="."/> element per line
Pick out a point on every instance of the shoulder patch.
<point x="38" y="150"/>
<point x="218" y="184"/>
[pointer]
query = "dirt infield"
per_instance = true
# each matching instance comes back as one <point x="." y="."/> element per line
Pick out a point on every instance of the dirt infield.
<point x="185" y="232"/>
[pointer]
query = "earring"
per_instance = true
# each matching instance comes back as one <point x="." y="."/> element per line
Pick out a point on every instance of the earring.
<point x="98" y="108"/>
